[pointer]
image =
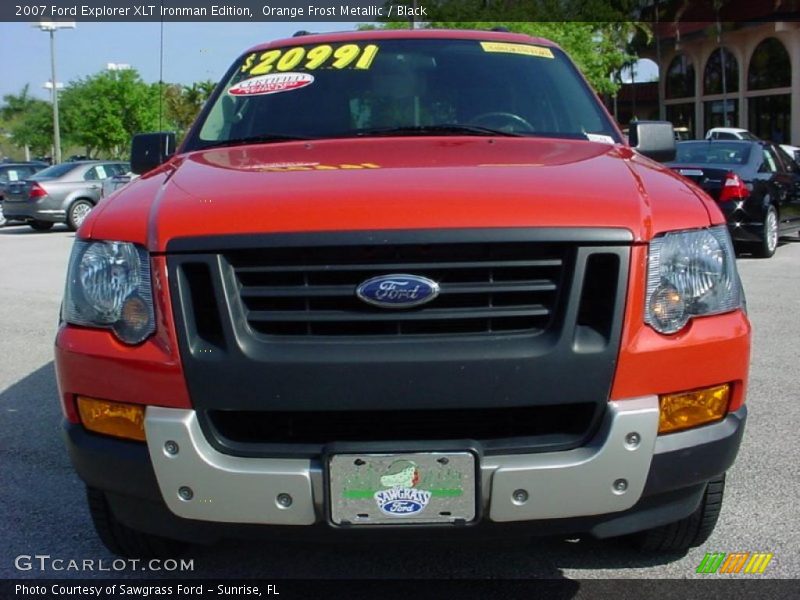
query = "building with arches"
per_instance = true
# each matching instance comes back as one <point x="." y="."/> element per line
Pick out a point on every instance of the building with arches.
<point x="743" y="74"/>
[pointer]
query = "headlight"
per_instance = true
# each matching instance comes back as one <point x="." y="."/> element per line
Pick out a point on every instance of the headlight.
<point x="690" y="274"/>
<point x="108" y="285"/>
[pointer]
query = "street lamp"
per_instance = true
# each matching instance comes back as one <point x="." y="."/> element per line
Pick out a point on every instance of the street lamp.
<point x="51" y="27"/>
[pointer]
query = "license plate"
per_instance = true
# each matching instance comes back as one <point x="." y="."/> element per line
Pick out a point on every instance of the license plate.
<point x="396" y="489"/>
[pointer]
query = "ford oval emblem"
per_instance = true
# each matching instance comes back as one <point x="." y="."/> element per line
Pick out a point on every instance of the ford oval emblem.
<point x="397" y="291"/>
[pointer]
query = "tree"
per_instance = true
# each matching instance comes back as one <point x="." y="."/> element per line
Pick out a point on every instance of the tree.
<point x="28" y="121"/>
<point x="182" y="103"/>
<point x="102" y="112"/>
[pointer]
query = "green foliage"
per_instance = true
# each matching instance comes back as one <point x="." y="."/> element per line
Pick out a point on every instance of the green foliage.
<point x="182" y="103"/>
<point x="28" y="121"/>
<point x="102" y="112"/>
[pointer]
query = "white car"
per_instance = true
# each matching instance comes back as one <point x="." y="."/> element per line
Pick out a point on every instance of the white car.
<point x="730" y="133"/>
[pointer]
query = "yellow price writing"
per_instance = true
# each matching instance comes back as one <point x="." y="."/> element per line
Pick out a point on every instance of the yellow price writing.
<point x="282" y="60"/>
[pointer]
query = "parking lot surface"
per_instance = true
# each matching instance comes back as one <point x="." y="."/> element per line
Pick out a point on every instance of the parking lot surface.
<point x="42" y="507"/>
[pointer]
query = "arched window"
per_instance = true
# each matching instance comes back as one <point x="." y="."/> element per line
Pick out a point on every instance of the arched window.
<point x="680" y="77"/>
<point x="770" y="66"/>
<point x="712" y="77"/>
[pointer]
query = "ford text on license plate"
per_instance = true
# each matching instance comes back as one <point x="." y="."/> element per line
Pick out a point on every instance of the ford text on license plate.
<point x="396" y="489"/>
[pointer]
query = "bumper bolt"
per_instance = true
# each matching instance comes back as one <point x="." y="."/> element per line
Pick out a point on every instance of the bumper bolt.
<point x="284" y="500"/>
<point x="171" y="448"/>
<point x="185" y="493"/>
<point x="632" y="440"/>
<point x="620" y="486"/>
<point x="519" y="497"/>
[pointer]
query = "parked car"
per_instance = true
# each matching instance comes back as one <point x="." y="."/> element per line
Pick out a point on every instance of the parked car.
<point x="400" y="283"/>
<point x="11" y="172"/>
<point x="754" y="183"/>
<point x="63" y="193"/>
<point x="730" y="133"/>
<point x="793" y="152"/>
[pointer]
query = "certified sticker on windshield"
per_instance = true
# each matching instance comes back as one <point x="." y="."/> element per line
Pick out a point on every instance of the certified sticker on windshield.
<point x="271" y="84"/>
<point x="526" y="49"/>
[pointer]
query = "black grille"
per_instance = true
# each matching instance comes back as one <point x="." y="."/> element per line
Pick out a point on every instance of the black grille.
<point x="485" y="288"/>
<point x="562" y="424"/>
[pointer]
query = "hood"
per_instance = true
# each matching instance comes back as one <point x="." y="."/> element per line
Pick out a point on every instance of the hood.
<point x="399" y="183"/>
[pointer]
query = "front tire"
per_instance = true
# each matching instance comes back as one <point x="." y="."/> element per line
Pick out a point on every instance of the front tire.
<point x="689" y="532"/>
<point x="769" y="235"/>
<point x="41" y="225"/>
<point x="121" y="539"/>
<point x="77" y="213"/>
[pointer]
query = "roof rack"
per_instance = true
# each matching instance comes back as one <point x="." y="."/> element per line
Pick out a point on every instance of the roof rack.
<point x="501" y="29"/>
<point x="301" y="33"/>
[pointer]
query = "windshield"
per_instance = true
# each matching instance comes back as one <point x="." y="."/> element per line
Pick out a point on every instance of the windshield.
<point x="402" y="87"/>
<point x="723" y="153"/>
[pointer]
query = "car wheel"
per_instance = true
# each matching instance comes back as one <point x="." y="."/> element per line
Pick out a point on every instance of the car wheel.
<point x="121" y="539"/>
<point x="77" y="213"/>
<point x="690" y="531"/>
<point x="769" y="234"/>
<point x="41" y="225"/>
<point x="3" y="220"/>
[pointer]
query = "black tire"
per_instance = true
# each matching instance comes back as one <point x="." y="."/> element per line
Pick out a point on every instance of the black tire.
<point x="769" y="237"/>
<point x="77" y="213"/>
<point x="41" y="225"/>
<point x="121" y="539"/>
<point x="687" y="533"/>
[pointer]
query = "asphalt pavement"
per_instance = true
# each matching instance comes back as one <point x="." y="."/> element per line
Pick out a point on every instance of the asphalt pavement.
<point x="42" y="507"/>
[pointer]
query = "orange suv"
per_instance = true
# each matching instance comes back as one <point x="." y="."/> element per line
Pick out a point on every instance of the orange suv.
<point x="403" y="281"/>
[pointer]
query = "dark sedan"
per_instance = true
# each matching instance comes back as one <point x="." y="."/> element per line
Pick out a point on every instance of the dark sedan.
<point x="756" y="187"/>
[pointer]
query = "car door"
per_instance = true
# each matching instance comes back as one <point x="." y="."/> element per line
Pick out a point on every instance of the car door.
<point x="790" y="172"/>
<point x="779" y="184"/>
<point x="94" y="179"/>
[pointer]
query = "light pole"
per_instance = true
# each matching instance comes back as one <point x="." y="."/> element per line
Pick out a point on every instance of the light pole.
<point x="51" y="27"/>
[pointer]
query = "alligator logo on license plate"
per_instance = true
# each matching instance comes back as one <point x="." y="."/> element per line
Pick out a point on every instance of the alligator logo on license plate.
<point x="403" y="498"/>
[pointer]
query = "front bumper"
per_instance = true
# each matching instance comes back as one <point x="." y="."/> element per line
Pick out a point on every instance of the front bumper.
<point x="569" y="492"/>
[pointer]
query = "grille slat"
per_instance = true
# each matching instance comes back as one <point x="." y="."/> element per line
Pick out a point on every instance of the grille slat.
<point x="485" y="288"/>
<point x="396" y="266"/>
<point x="348" y="290"/>
<point x="431" y="314"/>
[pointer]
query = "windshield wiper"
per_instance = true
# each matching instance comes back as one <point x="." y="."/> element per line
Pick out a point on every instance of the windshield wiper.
<point x="446" y="129"/>
<point x="256" y="139"/>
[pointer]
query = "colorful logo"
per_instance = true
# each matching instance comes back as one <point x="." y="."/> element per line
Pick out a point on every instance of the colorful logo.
<point x="271" y="84"/>
<point x="734" y="563"/>
<point x="397" y="291"/>
<point x="402" y="499"/>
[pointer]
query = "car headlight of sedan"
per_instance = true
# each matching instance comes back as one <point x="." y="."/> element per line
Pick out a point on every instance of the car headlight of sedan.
<point x="690" y="274"/>
<point x="108" y="285"/>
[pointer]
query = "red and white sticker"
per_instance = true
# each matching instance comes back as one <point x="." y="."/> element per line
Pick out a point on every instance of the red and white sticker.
<point x="271" y="84"/>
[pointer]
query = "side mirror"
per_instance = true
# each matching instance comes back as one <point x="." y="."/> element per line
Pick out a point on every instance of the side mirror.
<point x="654" y="139"/>
<point x="797" y="156"/>
<point x="149" y="150"/>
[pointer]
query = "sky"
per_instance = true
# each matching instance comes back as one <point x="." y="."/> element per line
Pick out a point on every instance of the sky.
<point x="192" y="51"/>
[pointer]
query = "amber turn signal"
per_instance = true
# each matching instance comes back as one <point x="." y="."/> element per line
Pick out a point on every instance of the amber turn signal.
<point x="690" y="409"/>
<point x="112" y="418"/>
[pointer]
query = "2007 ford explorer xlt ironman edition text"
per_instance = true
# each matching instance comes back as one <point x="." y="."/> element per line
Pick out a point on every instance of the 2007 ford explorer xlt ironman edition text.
<point x="403" y="282"/>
